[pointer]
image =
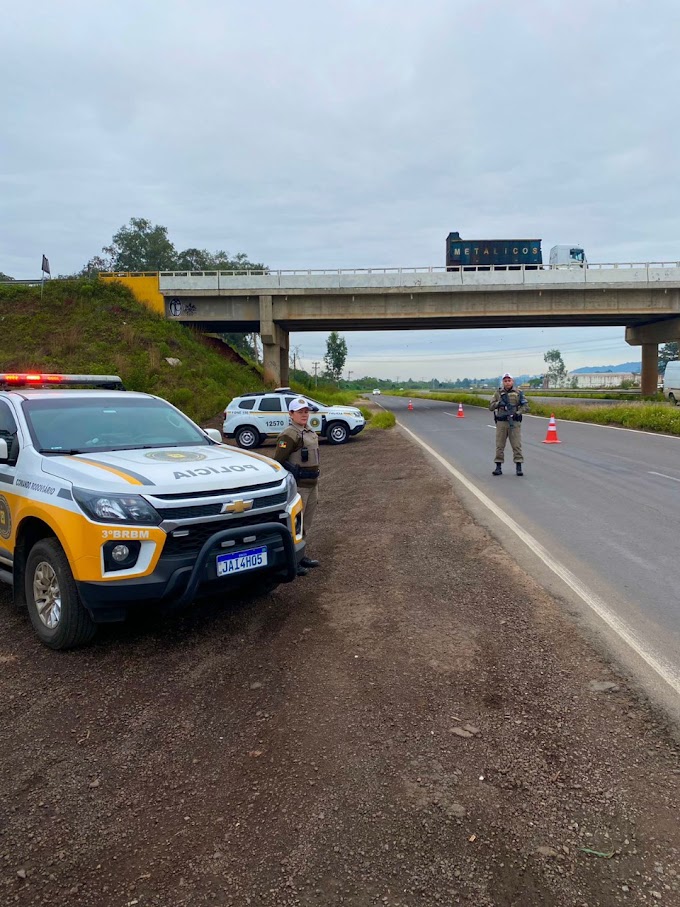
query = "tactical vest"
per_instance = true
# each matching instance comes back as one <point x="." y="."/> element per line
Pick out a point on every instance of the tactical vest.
<point x="309" y="461"/>
<point x="515" y="398"/>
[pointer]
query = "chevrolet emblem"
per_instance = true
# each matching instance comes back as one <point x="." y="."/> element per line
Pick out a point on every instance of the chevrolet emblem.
<point x="237" y="506"/>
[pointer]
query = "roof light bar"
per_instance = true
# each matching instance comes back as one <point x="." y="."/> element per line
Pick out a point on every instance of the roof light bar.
<point x="35" y="379"/>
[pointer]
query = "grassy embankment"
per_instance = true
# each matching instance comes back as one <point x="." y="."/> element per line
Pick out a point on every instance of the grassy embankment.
<point x="99" y="328"/>
<point x="93" y="327"/>
<point x="642" y="414"/>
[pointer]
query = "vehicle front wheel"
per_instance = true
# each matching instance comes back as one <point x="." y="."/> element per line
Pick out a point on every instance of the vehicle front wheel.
<point x="337" y="433"/>
<point x="671" y="399"/>
<point x="247" y="437"/>
<point x="58" y="616"/>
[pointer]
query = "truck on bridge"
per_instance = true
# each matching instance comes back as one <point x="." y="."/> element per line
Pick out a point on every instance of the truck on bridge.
<point x="511" y="253"/>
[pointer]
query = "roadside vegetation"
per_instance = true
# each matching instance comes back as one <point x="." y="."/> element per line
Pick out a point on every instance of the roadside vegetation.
<point x="643" y="415"/>
<point x="382" y="419"/>
<point x="89" y="326"/>
<point x="591" y="395"/>
<point x="96" y="327"/>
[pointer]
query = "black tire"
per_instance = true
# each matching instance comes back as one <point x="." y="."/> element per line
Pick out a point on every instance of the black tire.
<point x="671" y="399"/>
<point x="54" y="606"/>
<point x="247" y="437"/>
<point x="337" y="433"/>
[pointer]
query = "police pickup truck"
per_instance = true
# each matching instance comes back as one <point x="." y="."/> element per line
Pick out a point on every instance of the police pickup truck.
<point x="112" y="500"/>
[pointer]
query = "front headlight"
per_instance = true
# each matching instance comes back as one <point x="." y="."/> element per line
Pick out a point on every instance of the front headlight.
<point x="291" y="488"/>
<point x="116" y="508"/>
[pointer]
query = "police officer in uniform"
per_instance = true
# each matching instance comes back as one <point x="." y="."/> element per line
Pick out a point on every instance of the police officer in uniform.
<point x="297" y="449"/>
<point x="508" y="404"/>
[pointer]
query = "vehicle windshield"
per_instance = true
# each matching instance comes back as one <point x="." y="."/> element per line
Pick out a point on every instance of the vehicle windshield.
<point x="58" y="425"/>
<point x="315" y="402"/>
<point x="576" y="254"/>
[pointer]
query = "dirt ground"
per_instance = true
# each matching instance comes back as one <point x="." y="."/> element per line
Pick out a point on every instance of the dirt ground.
<point x="415" y="723"/>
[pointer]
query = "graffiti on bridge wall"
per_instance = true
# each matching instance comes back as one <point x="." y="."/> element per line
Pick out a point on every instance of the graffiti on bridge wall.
<point x="176" y="307"/>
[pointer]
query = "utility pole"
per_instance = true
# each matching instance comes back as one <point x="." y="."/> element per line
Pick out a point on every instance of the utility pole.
<point x="297" y="357"/>
<point x="316" y="380"/>
<point x="349" y="376"/>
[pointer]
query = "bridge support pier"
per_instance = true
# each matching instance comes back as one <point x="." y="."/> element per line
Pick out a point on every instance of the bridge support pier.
<point x="649" y="376"/>
<point x="275" y="345"/>
<point x="648" y="336"/>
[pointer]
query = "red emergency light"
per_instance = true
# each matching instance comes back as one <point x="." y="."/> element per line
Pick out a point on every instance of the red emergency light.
<point x="36" y="379"/>
<point x="29" y="378"/>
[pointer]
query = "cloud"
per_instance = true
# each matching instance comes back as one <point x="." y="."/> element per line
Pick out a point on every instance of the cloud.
<point x="342" y="134"/>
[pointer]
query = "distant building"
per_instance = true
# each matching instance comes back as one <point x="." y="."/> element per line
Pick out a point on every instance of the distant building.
<point x="602" y="379"/>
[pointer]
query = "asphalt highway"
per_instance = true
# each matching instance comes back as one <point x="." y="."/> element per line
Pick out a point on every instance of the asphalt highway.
<point x="596" y="518"/>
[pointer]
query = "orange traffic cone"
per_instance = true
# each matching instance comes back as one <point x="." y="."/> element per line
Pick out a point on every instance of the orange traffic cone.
<point x="460" y="414"/>
<point x="551" y="436"/>
<point x="410" y="405"/>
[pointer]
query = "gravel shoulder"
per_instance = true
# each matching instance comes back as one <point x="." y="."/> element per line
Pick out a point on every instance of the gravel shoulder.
<point x="415" y="723"/>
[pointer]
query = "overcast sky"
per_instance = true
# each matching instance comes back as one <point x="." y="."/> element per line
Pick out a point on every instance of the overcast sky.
<point x="348" y="133"/>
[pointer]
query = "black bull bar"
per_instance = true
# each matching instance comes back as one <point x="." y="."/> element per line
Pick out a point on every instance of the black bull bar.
<point x="226" y="534"/>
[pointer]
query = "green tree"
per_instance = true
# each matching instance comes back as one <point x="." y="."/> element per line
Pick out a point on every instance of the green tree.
<point x="557" y="372"/>
<point x="137" y="246"/>
<point x="95" y="266"/>
<point x="667" y="353"/>
<point x="194" y="260"/>
<point x="242" y="343"/>
<point x="202" y="260"/>
<point x="335" y="356"/>
<point x="140" y="246"/>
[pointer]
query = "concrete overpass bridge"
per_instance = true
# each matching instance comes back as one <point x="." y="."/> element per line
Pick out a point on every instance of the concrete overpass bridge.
<point x="642" y="298"/>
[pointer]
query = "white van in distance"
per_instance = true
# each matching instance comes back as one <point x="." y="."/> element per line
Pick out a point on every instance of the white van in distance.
<point x="567" y="257"/>
<point x="671" y="382"/>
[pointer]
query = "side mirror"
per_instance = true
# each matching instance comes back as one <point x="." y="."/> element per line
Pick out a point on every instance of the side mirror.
<point x="4" y="450"/>
<point x="214" y="434"/>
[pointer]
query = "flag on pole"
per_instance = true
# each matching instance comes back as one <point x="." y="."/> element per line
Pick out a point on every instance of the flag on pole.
<point x="45" y="266"/>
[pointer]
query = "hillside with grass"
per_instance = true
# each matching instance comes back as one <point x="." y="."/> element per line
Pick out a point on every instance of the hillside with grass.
<point x="96" y="327"/>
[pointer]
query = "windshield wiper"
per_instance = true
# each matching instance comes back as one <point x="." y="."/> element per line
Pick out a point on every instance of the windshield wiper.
<point x="60" y="452"/>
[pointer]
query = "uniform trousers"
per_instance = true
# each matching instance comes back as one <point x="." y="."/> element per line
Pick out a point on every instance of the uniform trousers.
<point x="310" y="498"/>
<point x="505" y="430"/>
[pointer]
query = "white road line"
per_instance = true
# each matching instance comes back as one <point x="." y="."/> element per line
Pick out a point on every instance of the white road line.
<point x="663" y="476"/>
<point x="664" y="669"/>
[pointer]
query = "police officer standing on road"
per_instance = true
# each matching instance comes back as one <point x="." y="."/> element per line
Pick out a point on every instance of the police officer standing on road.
<point x="297" y="449"/>
<point x="508" y="405"/>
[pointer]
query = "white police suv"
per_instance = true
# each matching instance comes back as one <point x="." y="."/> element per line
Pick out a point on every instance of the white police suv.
<point x="112" y="500"/>
<point x="251" y="418"/>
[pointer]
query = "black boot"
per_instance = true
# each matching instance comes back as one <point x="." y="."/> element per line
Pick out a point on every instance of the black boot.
<point x="518" y="469"/>
<point x="497" y="471"/>
<point x="308" y="562"/>
<point x="301" y="571"/>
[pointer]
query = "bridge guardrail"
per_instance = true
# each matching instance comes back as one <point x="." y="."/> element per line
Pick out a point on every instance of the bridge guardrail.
<point x="421" y="269"/>
<point x="534" y="270"/>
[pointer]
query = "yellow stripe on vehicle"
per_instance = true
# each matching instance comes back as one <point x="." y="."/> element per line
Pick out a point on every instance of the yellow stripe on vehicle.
<point x="81" y="539"/>
<point x="117" y="472"/>
<point x="262" y="458"/>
